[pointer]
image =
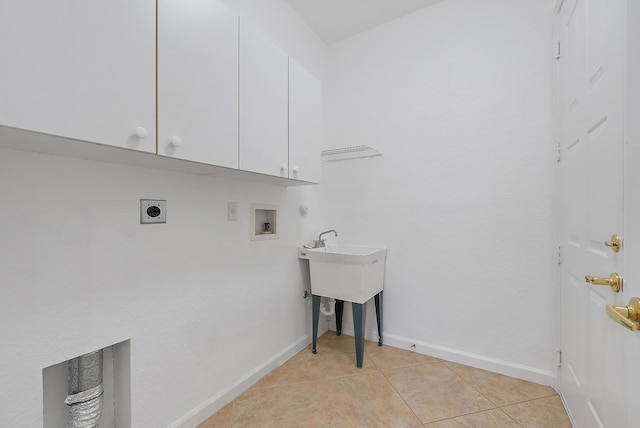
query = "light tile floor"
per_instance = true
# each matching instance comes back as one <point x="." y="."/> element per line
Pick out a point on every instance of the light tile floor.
<point x="395" y="388"/>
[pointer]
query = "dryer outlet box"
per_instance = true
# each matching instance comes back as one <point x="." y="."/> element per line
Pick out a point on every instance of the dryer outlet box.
<point x="153" y="211"/>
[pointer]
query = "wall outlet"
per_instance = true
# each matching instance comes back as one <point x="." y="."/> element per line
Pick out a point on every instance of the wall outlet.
<point x="153" y="211"/>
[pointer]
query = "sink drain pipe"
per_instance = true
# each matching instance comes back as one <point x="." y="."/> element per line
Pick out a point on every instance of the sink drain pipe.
<point x="332" y="307"/>
<point x="86" y="393"/>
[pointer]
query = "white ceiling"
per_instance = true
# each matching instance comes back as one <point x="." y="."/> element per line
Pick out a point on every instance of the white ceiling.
<point x="334" y="20"/>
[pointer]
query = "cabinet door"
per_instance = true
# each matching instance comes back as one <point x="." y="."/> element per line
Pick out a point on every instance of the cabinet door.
<point x="80" y="69"/>
<point x="198" y="81"/>
<point x="305" y="124"/>
<point x="263" y="105"/>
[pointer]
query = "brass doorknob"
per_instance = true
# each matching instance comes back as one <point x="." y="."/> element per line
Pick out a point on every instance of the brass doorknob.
<point x="615" y="244"/>
<point x="626" y="316"/>
<point x="614" y="281"/>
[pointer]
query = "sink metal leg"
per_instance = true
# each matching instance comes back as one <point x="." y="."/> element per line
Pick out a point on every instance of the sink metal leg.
<point x="378" y="301"/>
<point x="339" y="309"/>
<point x="316" y="315"/>
<point x="359" y="321"/>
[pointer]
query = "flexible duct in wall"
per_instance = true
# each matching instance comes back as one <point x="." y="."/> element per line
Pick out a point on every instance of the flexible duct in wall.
<point x="86" y="393"/>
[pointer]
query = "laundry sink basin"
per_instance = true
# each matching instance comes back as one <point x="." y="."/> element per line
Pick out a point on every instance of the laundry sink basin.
<point x="345" y="272"/>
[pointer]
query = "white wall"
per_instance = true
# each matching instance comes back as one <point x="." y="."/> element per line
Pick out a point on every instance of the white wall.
<point x="207" y="310"/>
<point x="202" y="305"/>
<point x="457" y="97"/>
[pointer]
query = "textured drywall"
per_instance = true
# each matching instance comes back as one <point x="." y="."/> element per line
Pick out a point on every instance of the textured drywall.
<point x="201" y="303"/>
<point x="457" y="97"/>
<point x="205" y="308"/>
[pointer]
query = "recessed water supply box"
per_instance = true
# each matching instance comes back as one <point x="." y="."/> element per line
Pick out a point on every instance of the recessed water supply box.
<point x="264" y="222"/>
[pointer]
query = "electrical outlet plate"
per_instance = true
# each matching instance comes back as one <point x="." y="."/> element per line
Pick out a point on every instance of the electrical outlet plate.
<point x="153" y="211"/>
<point x="232" y="211"/>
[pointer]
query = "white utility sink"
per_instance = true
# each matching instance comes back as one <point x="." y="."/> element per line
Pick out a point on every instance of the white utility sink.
<point x="344" y="272"/>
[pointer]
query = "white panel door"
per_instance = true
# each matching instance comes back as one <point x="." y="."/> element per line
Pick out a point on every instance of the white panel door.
<point x="591" y="132"/>
<point x="80" y="69"/>
<point x="632" y="207"/>
<point x="198" y="81"/>
<point x="264" y="105"/>
<point x="305" y="124"/>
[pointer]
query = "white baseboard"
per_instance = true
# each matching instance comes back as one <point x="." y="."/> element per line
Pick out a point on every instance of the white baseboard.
<point x="226" y="396"/>
<point x="531" y="374"/>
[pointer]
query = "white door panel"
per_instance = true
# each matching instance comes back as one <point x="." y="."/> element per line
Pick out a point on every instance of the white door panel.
<point x="591" y="134"/>
<point x="632" y="206"/>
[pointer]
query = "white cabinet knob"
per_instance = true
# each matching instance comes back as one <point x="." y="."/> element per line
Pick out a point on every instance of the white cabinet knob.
<point x="295" y="169"/>
<point x="175" y="141"/>
<point x="283" y="167"/>
<point x="141" y="132"/>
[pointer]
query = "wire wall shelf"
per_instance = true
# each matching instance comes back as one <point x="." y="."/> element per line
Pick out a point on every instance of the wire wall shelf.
<point x="348" y="153"/>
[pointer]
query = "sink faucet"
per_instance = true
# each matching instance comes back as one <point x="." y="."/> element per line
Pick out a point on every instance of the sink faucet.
<point x="320" y="242"/>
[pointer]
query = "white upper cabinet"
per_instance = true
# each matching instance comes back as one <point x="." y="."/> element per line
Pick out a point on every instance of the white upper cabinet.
<point x="263" y="105"/>
<point x="80" y="69"/>
<point x="224" y="96"/>
<point x="198" y="81"/>
<point x="305" y="124"/>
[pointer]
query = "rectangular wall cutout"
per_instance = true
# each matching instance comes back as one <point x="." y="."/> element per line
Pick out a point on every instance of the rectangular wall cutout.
<point x="116" y="411"/>
<point x="264" y="222"/>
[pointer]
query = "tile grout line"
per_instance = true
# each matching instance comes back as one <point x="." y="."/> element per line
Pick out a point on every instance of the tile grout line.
<point x="442" y="362"/>
<point x="521" y="402"/>
<point x="476" y="413"/>
<point x="400" y="395"/>
<point x="481" y="394"/>
<point x="527" y="400"/>
<point x="307" y="361"/>
<point x="233" y="414"/>
<point x="306" y="365"/>
<point x="497" y="407"/>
